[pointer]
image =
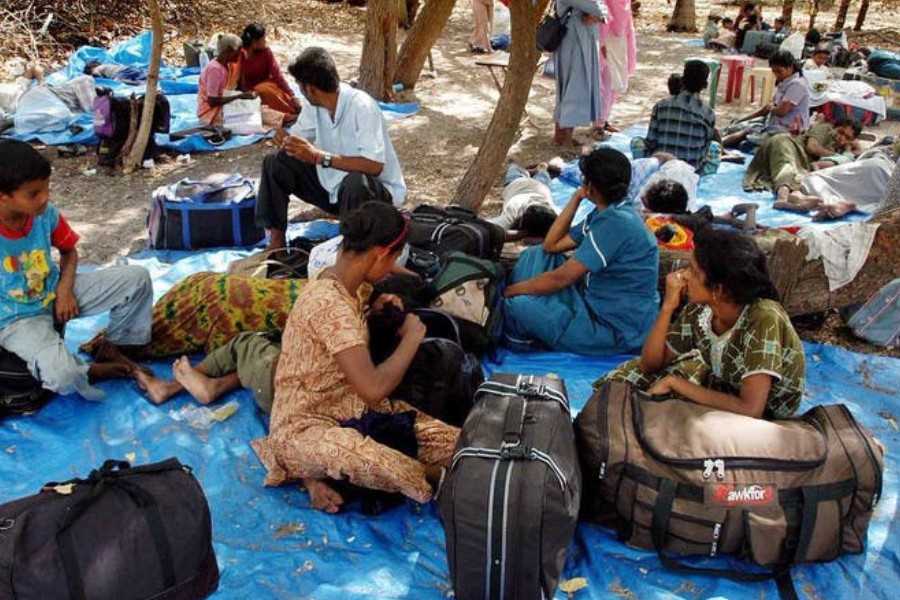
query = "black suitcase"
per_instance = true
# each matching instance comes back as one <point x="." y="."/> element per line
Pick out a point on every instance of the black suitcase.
<point x="455" y="229"/>
<point x="510" y="500"/>
<point x="136" y="533"/>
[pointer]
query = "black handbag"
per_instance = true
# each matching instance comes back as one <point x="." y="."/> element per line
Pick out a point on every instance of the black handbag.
<point x="551" y="30"/>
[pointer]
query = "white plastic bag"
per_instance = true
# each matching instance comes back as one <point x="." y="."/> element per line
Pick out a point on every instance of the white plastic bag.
<point x="243" y="117"/>
<point x="40" y="110"/>
<point x="794" y="44"/>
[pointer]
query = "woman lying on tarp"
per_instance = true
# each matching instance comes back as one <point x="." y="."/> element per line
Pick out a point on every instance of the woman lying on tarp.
<point x="601" y="300"/>
<point x="732" y="347"/>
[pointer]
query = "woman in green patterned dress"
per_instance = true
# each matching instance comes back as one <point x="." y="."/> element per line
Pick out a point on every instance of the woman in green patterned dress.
<point x="732" y="347"/>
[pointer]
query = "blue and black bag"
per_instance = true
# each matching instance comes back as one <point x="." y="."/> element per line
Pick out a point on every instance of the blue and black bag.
<point x="214" y="212"/>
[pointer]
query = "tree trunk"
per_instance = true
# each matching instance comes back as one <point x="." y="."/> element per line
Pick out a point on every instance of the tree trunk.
<point x="379" y="53"/>
<point x="501" y="132"/>
<point x="425" y="31"/>
<point x="136" y="153"/>
<point x="861" y="15"/>
<point x="684" y="17"/>
<point x="787" y="12"/>
<point x="841" y="15"/>
<point x="813" y="13"/>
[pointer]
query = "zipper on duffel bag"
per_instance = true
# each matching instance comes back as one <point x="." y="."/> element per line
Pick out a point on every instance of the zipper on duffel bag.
<point x="718" y="465"/>
<point x="513" y="453"/>
<point x="869" y="452"/>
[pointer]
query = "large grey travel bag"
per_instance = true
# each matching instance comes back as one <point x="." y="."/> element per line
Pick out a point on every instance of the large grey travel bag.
<point x="510" y="501"/>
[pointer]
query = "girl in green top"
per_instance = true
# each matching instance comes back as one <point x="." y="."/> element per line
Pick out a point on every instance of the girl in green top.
<point x="732" y="347"/>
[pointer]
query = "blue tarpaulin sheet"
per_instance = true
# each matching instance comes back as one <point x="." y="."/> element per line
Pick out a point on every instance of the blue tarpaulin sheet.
<point x="271" y="544"/>
<point x="721" y="190"/>
<point x="178" y="83"/>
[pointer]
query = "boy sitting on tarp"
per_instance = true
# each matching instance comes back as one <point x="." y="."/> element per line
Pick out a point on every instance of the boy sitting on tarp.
<point x="34" y="291"/>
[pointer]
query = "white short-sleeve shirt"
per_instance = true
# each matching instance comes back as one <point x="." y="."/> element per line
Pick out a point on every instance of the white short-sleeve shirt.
<point x="358" y="129"/>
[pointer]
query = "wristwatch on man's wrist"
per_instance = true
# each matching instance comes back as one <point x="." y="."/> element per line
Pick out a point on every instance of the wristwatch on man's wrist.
<point x="326" y="160"/>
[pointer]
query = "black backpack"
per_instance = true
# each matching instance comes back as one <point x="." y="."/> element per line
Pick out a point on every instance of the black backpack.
<point x="119" y="118"/>
<point x="20" y="392"/>
<point x="455" y="229"/>
<point x="442" y="379"/>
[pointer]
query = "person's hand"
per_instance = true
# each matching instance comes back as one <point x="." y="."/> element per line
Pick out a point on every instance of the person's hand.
<point x="664" y="386"/>
<point x="298" y="104"/>
<point x="603" y="50"/>
<point x="412" y="328"/>
<point x="385" y="299"/>
<point x="302" y="150"/>
<point x="66" y="307"/>
<point x="676" y="284"/>
<point x="591" y="20"/>
<point x="579" y="195"/>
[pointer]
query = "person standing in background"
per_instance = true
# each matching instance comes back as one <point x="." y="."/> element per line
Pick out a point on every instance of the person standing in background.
<point x="483" y="18"/>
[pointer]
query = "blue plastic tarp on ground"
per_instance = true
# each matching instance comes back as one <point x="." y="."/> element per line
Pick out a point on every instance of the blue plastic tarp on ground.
<point x="271" y="544"/>
<point x="180" y="85"/>
<point x="720" y="191"/>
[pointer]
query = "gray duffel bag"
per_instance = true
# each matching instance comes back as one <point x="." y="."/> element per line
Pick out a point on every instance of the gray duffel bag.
<point x="510" y="501"/>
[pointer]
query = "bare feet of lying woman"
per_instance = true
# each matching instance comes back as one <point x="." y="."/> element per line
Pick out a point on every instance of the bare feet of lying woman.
<point x="797" y="202"/>
<point x="828" y="212"/>
<point x="323" y="496"/>
<point x="198" y="385"/>
<point x="98" y="371"/>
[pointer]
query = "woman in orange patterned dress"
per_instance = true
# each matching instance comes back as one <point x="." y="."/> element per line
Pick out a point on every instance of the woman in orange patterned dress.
<point x="325" y="377"/>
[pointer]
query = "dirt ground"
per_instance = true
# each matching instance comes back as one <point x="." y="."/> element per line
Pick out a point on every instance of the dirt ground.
<point x="434" y="147"/>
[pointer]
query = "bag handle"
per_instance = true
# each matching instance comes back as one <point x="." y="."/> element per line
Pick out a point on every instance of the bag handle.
<point x="662" y="510"/>
<point x="110" y="475"/>
<point x="457" y="337"/>
<point x="513" y="423"/>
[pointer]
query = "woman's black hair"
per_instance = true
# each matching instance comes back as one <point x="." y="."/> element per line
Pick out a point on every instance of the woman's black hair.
<point x="732" y="259"/>
<point x="783" y="58"/>
<point x="374" y="223"/>
<point x="666" y="196"/>
<point x="20" y="163"/>
<point x="609" y="171"/>
<point x="251" y="33"/>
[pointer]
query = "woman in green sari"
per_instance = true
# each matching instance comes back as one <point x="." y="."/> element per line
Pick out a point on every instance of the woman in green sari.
<point x="783" y="160"/>
<point x="732" y="346"/>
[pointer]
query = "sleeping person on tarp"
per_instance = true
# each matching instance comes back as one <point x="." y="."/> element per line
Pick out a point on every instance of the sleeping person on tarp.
<point x="602" y="299"/>
<point x="733" y="346"/>
<point x="528" y="208"/>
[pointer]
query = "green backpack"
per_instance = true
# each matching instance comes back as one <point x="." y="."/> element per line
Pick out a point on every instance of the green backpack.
<point x="471" y="289"/>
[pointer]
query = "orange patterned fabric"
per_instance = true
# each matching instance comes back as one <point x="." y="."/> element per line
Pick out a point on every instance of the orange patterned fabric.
<point x="206" y="310"/>
<point x="313" y="397"/>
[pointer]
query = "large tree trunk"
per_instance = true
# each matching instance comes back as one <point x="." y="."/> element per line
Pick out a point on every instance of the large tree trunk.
<point x="684" y="17"/>
<point x="501" y="132"/>
<point x="136" y="153"/>
<point x="861" y="15"/>
<point x="425" y="31"/>
<point x="841" y="17"/>
<point x="379" y="53"/>
<point x="813" y="13"/>
<point x="787" y="12"/>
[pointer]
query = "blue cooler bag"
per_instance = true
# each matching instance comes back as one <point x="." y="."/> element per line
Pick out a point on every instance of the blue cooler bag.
<point x="214" y="212"/>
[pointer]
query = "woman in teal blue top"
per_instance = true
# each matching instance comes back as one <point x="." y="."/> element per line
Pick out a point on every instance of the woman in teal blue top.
<point x="602" y="299"/>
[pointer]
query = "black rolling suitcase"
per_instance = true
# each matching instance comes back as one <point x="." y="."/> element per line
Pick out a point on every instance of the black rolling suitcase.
<point x="510" y="500"/>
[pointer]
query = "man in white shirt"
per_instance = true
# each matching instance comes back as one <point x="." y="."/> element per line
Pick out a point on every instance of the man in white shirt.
<point x="337" y="156"/>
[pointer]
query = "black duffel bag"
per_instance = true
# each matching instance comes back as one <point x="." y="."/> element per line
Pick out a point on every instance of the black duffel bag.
<point x="446" y="229"/>
<point x="122" y="533"/>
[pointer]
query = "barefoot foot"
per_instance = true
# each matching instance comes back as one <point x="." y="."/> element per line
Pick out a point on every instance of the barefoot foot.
<point x="323" y="496"/>
<point x="158" y="390"/>
<point x="198" y="385"/>
<point x="98" y="371"/>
